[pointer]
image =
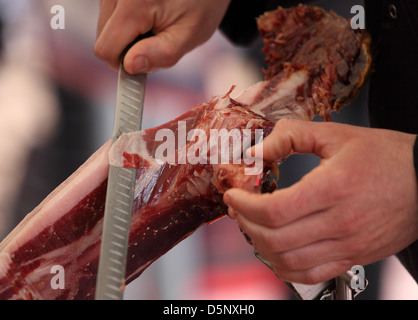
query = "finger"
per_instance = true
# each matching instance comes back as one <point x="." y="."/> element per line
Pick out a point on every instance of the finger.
<point x="120" y="29"/>
<point x="163" y="50"/>
<point x="301" y="233"/>
<point x="321" y="273"/>
<point x="291" y="135"/>
<point x="106" y="9"/>
<point x="316" y="191"/>
<point x="306" y="257"/>
<point x="243" y="201"/>
<point x="301" y="264"/>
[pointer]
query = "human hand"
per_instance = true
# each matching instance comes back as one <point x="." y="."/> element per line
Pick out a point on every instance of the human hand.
<point x="178" y="27"/>
<point x="358" y="206"/>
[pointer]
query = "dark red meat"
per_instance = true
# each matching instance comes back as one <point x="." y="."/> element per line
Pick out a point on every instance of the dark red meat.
<point x="316" y="63"/>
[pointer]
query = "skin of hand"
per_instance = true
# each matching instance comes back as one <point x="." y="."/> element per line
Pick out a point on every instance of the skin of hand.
<point x="178" y="27"/>
<point x="359" y="205"/>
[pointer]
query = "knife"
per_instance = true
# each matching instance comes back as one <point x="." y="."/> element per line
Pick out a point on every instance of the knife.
<point x="110" y="281"/>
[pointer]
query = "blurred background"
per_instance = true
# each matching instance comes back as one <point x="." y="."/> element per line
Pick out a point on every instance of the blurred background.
<point x="56" y="108"/>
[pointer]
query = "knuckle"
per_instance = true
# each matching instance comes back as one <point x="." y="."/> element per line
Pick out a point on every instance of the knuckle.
<point x="286" y="123"/>
<point x="102" y="52"/>
<point x="289" y="127"/>
<point x="98" y="50"/>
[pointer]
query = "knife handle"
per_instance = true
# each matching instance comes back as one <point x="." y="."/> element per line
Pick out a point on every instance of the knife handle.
<point x="137" y="39"/>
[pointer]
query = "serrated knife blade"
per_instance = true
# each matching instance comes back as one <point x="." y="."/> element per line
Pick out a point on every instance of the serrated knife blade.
<point x="110" y="281"/>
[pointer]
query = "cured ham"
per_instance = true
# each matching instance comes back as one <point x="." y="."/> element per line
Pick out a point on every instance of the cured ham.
<point x="316" y="64"/>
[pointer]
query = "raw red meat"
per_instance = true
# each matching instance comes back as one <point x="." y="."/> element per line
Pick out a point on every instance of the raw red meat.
<point x="333" y="57"/>
<point x="173" y="200"/>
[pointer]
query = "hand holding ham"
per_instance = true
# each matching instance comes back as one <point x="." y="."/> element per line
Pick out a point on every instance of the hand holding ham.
<point x="358" y="206"/>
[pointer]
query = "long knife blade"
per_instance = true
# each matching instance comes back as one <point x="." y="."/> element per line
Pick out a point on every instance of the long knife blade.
<point x="120" y="189"/>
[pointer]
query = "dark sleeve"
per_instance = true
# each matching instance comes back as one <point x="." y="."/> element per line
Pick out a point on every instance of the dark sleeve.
<point x="393" y="91"/>
<point x="239" y="23"/>
<point x="416" y="156"/>
<point x="409" y="256"/>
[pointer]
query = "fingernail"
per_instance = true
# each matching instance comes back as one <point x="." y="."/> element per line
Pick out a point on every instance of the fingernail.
<point x="227" y="201"/>
<point x="231" y="213"/>
<point x="140" y="64"/>
<point x="227" y="198"/>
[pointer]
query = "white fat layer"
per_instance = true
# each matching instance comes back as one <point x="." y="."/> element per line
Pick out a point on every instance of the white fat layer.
<point x="133" y="143"/>
<point x="88" y="177"/>
<point x="248" y="96"/>
<point x="285" y="89"/>
<point x="223" y="102"/>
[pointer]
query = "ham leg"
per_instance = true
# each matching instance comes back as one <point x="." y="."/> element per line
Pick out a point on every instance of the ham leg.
<point x="316" y="63"/>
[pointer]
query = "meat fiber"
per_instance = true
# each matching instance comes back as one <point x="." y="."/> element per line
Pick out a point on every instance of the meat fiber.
<point x="316" y="63"/>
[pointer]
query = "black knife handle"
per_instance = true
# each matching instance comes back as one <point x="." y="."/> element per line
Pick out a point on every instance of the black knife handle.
<point x="137" y="39"/>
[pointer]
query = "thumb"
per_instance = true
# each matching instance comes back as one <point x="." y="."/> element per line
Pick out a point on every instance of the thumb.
<point x="162" y="50"/>
<point x="300" y="136"/>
